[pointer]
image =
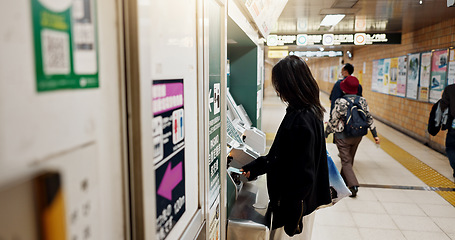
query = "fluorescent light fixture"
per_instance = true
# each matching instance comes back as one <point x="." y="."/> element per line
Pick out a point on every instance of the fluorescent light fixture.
<point x="331" y="20"/>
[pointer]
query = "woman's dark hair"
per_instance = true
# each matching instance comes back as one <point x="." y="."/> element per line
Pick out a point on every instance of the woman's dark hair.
<point x="294" y="83"/>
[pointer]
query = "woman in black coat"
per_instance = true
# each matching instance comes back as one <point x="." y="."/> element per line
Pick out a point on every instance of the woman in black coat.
<point x="296" y="165"/>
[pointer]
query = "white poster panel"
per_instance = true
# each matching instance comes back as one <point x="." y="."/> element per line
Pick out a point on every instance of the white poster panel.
<point x="451" y="68"/>
<point x="386" y="75"/>
<point x="401" y="81"/>
<point x="374" y="76"/>
<point x="425" y="68"/>
<point x="413" y="68"/>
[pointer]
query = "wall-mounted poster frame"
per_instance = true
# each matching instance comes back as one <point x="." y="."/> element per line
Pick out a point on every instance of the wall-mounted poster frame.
<point x="451" y="67"/>
<point x="424" y="83"/>
<point x="401" y="80"/>
<point x="413" y="75"/>
<point x="438" y="75"/>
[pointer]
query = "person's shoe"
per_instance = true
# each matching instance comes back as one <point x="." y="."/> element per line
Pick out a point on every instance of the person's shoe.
<point x="354" y="190"/>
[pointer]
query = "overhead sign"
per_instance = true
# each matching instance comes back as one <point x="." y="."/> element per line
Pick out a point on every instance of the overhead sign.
<point x="317" y="53"/>
<point x="169" y="153"/>
<point x="334" y="39"/>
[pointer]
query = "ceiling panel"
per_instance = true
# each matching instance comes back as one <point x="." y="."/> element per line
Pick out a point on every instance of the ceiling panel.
<point x="304" y="16"/>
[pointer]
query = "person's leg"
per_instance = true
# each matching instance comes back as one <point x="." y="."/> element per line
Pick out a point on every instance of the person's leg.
<point x="344" y="148"/>
<point x="354" y="145"/>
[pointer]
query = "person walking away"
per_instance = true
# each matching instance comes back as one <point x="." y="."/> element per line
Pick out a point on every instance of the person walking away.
<point x="296" y="165"/>
<point x="336" y="92"/>
<point x="346" y="143"/>
<point x="448" y="101"/>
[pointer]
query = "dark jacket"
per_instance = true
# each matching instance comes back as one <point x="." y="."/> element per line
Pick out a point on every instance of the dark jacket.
<point x="337" y="93"/>
<point x="296" y="167"/>
<point x="448" y="100"/>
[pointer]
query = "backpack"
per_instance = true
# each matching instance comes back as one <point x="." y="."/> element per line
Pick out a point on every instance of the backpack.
<point x="356" y="119"/>
<point x="439" y="120"/>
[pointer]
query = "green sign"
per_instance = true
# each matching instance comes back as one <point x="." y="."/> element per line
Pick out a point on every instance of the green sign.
<point x="65" y="37"/>
<point x="214" y="102"/>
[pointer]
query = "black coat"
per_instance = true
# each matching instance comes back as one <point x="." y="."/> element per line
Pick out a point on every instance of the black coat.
<point x="296" y="167"/>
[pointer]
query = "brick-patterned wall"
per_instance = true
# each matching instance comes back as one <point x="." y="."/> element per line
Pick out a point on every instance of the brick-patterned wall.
<point x="407" y="115"/>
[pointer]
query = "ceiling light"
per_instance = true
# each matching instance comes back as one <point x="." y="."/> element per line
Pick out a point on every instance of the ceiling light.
<point x="420" y="2"/>
<point x="331" y="20"/>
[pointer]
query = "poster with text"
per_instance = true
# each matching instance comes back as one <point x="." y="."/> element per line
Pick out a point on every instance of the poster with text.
<point x="424" y="83"/>
<point x="413" y="69"/>
<point x="168" y="128"/>
<point x="451" y="68"/>
<point x="65" y="41"/>
<point x="393" y="76"/>
<point x="380" y="79"/>
<point x="374" y="76"/>
<point x="386" y="76"/>
<point x="401" y="81"/>
<point x="438" y="79"/>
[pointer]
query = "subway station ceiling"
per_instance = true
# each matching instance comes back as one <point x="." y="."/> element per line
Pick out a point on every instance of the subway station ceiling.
<point x="373" y="16"/>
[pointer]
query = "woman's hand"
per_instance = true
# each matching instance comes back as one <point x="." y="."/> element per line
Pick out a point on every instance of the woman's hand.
<point x="376" y="139"/>
<point x="246" y="174"/>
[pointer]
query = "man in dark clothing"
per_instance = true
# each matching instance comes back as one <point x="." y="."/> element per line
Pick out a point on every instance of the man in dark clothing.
<point x="336" y="93"/>
<point x="448" y="101"/>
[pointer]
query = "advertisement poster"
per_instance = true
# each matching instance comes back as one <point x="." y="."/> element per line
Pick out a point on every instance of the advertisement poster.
<point x="424" y="83"/>
<point x="393" y="76"/>
<point x="386" y="75"/>
<point x="451" y="68"/>
<point x="438" y="77"/>
<point x="169" y="153"/>
<point x="380" y="79"/>
<point x="413" y="68"/>
<point x="401" y="81"/>
<point x="65" y="36"/>
<point x="374" y="76"/>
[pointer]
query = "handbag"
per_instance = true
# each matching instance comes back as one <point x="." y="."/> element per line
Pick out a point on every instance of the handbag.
<point x="338" y="188"/>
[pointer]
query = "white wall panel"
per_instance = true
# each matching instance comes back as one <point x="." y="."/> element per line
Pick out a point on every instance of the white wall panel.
<point x="40" y="130"/>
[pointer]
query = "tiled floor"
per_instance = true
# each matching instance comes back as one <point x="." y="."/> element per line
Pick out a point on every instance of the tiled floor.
<point x="380" y="213"/>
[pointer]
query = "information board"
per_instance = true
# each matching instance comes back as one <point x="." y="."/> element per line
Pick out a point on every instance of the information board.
<point x="65" y="45"/>
<point x="438" y="74"/>
<point x="169" y="153"/>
